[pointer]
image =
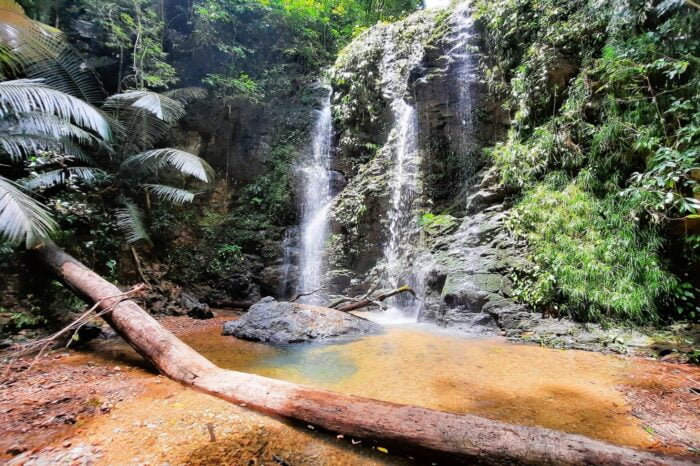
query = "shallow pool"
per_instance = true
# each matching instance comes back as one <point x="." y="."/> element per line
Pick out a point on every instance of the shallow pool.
<point x="573" y="391"/>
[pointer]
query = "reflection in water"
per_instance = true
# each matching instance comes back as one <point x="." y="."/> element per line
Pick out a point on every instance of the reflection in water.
<point x="571" y="391"/>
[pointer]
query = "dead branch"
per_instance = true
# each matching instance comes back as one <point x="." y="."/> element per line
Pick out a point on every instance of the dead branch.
<point x="376" y="301"/>
<point x="301" y="295"/>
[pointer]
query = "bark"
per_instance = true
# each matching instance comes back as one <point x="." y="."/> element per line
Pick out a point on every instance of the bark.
<point x="429" y="432"/>
<point x="367" y="302"/>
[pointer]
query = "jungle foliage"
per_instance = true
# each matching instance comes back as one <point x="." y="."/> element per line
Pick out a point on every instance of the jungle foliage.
<point x="249" y="49"/>
<point x="604" y="145"/>
<point x="57" y="135"/>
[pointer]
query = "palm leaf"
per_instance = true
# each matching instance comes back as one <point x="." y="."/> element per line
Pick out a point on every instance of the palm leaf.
<point x="185" y="95"/>
<point x="43" y="53"/>
<point x="59" y="177"/>
<point x="21" y="146"/>
<point x="170" y="193"/>
<point x="163" y="107"/>
<point x="27" y="95"/>
<point x="22" y="217"/>
<point x="51" y="125"/>
<point x="184" y="162"/>
<point x="68" y="73"/>
<point x="130" y="221"/>
<point x="138" y="130"/>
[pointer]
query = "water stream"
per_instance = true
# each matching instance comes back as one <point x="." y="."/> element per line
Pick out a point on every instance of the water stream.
<point x="315" y="204"/>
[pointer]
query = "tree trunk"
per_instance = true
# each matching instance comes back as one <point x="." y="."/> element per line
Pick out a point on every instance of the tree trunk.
<point x="421" y="430"/>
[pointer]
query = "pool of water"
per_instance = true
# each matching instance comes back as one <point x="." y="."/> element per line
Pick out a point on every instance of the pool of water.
<point x="573" y="391"/>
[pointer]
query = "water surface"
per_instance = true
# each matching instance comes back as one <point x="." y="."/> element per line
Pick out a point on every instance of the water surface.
<point x="567" y="390"/>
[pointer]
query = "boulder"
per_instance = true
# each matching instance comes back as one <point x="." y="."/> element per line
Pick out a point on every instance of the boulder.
<point x="195" y="308"/>
<point x="282" y="322"/>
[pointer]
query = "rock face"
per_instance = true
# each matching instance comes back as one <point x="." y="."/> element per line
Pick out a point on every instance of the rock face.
<point x="456" y="253"/>
<point x="284" y="323"/>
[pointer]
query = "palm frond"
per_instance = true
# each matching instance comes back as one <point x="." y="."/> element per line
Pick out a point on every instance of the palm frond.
<point x="68" y="73"/>
<point x="138" y="130"/>
<point x="184" y="162"/>
<point x="43" y="53"/>
<point x="22" y="217"/>
<point x="170" y="193"/>
<point x="9" y="63"/>
<point x="185" y="95"/>
<point x="29" y="95"/>
<point x="51" y="125"/>
<point x="160" y="105"/>
<point x="130" y="221"/>
<point x="59" y="177"/>
<point x="20" y="146"/>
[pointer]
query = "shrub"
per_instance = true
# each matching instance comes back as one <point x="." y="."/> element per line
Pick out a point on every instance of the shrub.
<point x="592" y="261"/>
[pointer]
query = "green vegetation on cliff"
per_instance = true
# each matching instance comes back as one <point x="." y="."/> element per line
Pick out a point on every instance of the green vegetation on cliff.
<point x="604" y="103"/>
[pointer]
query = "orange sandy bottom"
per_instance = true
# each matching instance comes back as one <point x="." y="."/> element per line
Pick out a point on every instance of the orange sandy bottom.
<point x="572" y="391"/>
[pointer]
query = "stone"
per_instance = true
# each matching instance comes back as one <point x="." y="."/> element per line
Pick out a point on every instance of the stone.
<point x="281" y="322"/>
<point x="195" y="308"/>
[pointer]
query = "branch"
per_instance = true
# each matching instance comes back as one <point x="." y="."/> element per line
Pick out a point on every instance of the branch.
<point x="42" y="344"/>
<point x="301" y="295"/>
<point x="376" y="301"/>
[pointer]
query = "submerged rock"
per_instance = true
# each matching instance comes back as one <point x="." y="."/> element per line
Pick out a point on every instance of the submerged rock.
<point x="283" y="322"/>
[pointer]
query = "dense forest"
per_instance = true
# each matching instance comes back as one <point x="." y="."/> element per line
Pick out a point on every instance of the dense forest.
<point x="523" y="170"/>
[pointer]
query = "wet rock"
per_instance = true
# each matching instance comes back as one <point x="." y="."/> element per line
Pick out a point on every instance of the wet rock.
<point x="284" y="323"/>
<point x="240" y="285"/>
<point x="272" y="279"/>
<point x="194" y="307"/>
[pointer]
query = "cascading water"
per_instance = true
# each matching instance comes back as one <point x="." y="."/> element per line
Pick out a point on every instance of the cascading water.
<point x="465" y="78"/>
<point x="406" y="263"/>
<point x="405" y="153"/>
<point x="315" y="204"/>
<point x="404" y="189"/>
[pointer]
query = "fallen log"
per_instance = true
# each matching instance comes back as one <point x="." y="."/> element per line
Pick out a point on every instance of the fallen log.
<point x="462" y="437"/>
<point x="367" y="302"/>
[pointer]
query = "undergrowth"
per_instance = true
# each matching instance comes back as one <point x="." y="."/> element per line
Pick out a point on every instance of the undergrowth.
<point x="604" y="149"/>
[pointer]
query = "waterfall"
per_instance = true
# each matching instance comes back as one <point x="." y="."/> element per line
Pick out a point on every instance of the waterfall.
<point x="404" y="185"/>
<point x="404" y="189"/>
<point x="465" y="79"/>
<point x="406" y="262"/>
<point x="316" y="203"/>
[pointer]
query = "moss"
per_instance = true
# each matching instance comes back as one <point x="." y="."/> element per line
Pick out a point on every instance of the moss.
<point x="438" y="224"/>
